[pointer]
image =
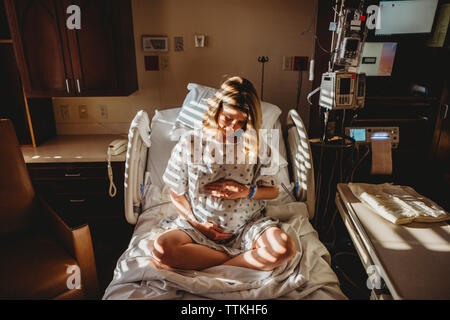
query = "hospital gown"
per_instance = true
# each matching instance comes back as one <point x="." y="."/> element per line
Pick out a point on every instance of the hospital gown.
<point x="197" y="161"/>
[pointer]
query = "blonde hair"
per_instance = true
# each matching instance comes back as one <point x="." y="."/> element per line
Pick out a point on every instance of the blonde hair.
<point x="238" y="93"/>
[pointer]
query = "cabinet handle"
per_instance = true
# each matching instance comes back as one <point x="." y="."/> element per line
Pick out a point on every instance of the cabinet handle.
<point x="72" y="175"/>
<point x="77" y="200"/>
<point x="446" y="111"/>
<point x="78" y="86"/>
<point x="67" y="86"/>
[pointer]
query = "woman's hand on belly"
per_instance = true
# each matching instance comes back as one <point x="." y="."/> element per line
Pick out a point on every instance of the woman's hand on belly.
<point x="212" y="231"/>
<point x="227" y="189"/>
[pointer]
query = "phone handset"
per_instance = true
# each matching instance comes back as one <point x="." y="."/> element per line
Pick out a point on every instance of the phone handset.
<point x="115" y="148"/>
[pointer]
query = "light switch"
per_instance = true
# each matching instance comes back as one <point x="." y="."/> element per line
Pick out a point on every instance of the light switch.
<point x="164" y="62"/>
<point x="104" y="112"/>
<point x="65" y="114"/>
<point x="199" y="40"/>
<point x="179" y="43"/>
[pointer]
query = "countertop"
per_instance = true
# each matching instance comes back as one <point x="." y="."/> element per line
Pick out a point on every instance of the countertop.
<point x="73" y="148"/>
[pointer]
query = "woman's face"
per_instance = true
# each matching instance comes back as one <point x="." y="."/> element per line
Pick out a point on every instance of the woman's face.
<point x="231" y="119"/>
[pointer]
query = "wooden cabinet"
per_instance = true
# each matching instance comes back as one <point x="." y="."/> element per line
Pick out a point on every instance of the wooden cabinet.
<point x="78" y="192"/>
<point x="4" y="29"/>
<point x="32" y="118"/>
<point x="96" y="60"/>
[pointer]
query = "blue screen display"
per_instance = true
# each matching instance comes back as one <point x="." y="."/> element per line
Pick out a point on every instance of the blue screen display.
<point x="358" y="134"/>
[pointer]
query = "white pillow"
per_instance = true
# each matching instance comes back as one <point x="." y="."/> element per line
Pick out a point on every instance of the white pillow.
<point x="195" y="106"/>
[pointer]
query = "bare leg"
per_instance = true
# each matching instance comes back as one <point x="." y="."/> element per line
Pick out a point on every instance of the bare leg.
<point x="273" y="248"/>
<point x="175" y="249"/>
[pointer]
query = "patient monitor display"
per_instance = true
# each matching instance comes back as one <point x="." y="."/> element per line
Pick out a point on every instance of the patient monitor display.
<point x="342" y="90"/>
<point x="378" y="58"/>
<point x="406" y="16"/>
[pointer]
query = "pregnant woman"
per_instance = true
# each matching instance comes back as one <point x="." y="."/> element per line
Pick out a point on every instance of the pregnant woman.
<point x="218" y="186"/>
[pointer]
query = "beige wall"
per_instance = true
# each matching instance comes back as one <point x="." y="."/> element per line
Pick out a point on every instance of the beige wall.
<point x="238" y="32"/>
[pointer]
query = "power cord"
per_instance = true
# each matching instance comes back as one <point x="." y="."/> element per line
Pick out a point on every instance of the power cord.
<point x="319" y="178"/>
<point x="358" y="163"/>
<point x="112" y="186"/>
<point x="330" y="182"/>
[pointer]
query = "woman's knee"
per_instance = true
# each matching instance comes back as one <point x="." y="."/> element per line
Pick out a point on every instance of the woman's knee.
<point x="288" y="248"/>
<point x="279" y="245"/>
<point x="166" y="247"/>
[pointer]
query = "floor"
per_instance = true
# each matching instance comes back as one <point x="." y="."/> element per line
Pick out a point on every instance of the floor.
<point x="347" y="265"/>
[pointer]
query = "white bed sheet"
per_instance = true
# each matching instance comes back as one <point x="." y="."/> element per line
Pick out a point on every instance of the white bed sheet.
<point x="307" y="276"/>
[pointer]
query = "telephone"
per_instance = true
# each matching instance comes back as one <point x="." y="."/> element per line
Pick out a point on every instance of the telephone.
<point x="118" y="146"/>
<point x="115" y="148"/>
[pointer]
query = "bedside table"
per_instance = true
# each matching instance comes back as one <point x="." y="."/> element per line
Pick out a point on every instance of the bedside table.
<point x="411" y="260"/>
<point x="70" y="172"/>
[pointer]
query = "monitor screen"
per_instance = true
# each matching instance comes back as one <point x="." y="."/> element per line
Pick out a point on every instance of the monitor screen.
<point x="358" y="134"/>
<point x="406" y="16"/>
<point x="345" y="86"/>
<point x="378" y="58"/>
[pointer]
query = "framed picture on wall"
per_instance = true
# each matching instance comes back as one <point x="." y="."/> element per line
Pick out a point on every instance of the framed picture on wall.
<point x="155" y="43"/>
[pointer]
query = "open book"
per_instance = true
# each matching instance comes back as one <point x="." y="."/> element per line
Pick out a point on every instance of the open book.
<point x="398" y="204"/>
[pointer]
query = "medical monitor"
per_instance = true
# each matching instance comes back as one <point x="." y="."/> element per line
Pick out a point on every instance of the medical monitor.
<point x="378" y="58"/>
<point x="406" y="17"/>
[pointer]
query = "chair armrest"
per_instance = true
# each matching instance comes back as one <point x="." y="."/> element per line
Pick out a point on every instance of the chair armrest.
<point x="78" y="242"/>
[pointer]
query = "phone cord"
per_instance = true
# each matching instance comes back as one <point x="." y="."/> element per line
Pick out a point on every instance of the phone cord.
<point x="112" y="186"/>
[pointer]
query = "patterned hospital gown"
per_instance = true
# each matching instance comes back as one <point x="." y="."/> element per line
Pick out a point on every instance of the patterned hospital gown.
<point x="197" y="161"/>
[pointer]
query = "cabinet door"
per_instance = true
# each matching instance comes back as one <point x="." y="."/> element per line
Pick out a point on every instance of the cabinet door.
<point x="40" y="42"/>
<point x="94" y="49"/>
<point x="4" y="29"/>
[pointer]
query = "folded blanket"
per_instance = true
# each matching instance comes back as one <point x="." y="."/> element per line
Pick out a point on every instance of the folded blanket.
<point x="398" y="204"/>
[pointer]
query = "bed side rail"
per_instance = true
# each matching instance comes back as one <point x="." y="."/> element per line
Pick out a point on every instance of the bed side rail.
<point x="301" y="161"/>
<point x="135" y="165"/>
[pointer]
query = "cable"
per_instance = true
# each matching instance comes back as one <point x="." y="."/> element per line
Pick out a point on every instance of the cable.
<point x="319" y="178"/>
<point x="311" y="94"/>
<point x="331" y="226"/>
<point x="330" y="182"/>
<point x="112" y="186"/>
<point x="342" y="273"/>
<point x="312" y="21"/>
<point x="358" y="163"/>
<point x="341" y="179"/>
<point x="320" y="46"/>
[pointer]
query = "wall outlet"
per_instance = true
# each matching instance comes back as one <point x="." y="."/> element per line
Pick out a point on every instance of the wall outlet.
<point x="164" y="60"/>
<point x="64" y="112"/>
<point x="82" y="110"/>
<point x="287" y="64"/>
<point x="104" y="112"/>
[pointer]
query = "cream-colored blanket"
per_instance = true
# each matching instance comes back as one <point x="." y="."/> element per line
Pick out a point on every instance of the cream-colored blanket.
<point x="398" y="204"/>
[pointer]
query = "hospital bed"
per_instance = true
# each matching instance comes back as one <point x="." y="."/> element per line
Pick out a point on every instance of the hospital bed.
<point x="307" y="276"/>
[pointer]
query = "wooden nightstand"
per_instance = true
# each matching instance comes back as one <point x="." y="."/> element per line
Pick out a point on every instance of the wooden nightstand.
<point x="78" y="192"/>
